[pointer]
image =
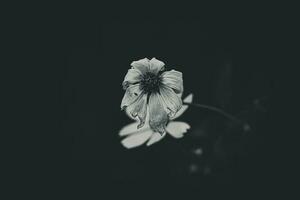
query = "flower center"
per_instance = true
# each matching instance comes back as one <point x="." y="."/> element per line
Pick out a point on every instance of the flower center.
<point x="150" y="82"/>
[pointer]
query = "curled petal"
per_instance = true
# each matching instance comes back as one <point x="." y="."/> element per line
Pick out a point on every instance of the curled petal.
<point x="177" y="129"/>
<point x="129" y="115"/>
<point x="136" y="139"/>
<point x="132" y="129"/>
<point x="131" y="95"/>
<point x="171" y="100"/>
<point x="156" y="65"/>
<point x="133" y="76"/>
<point x="156" y="137"/>
<point x="174" y="80"/>
<point x="142" y="65"/>
<point x="188" y="99"/>
<point x="139" y="109"/>
<point x="158" y="117"/>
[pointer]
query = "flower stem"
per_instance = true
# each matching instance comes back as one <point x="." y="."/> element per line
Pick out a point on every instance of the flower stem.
<point x="214" y="109"/>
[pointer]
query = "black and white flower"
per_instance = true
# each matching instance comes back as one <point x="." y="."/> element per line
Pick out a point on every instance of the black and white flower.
<point x="152" y="92"/>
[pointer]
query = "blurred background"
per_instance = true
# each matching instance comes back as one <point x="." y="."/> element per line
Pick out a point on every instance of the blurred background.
<point x="223" y="64"/>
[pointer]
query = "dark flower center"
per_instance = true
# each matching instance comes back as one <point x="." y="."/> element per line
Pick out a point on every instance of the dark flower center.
<point x="150" y="82"/>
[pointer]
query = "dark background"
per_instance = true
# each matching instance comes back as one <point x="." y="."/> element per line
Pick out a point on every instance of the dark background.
<point x="84" y="54"/>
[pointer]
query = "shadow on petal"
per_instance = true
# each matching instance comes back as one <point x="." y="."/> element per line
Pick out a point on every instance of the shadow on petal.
<point x="158" y="117"/>
<point x="188" y="99"/>
<point x="156" y="137"/>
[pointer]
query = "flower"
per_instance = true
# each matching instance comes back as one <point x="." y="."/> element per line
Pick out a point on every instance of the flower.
<point x="135" y="137"/>
<point x="152" y="92"/>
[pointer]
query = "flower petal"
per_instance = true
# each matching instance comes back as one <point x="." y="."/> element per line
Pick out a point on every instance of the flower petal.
<point x="129" y="115"/>
<point x="142" y="65"/>
<point x="177" y="129"/>
<point x="133" y="76"/>
<point x="136" y="139"/>
<point x="131" y="95"/>
<point x="139" y="109"/>
<point x="132" y="129"/>
<point x="158" y="117"/>
<point x="188" y="99"/>
<point x="173" y="79"/>
<point x="156" y="137"/>
<point x="156" y="65"/>
<point x="171" y="100"/>
<point x="129" y="129"/>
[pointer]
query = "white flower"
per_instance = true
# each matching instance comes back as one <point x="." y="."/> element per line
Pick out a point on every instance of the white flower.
<point x="152" y="92"/>
<point x="135" y="137"/>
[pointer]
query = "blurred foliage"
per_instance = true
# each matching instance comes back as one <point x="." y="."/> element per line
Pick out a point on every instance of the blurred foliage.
<point x="215" y="149"/>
